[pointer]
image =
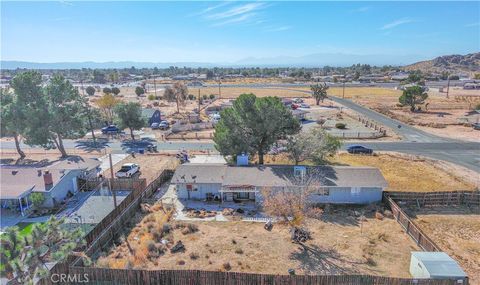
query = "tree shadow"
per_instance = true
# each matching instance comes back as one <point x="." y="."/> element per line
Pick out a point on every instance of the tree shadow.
<point x="90" y="146"/>
<point x="27" y="162"/>
<point x="135" y="145"/>
<point x="315" y="260"/>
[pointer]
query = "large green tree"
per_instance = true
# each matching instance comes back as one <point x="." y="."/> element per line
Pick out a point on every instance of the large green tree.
<point x="129" y="115"/>
<point x="412" y="96"/>
<point x="319" y="92"/>
<point x="66" y="113"/>
<point x="25" y="258"/>
<point x="25" y="113"/>
<point x="253" y="125"/>
<point x="12" y="119"/>
<point x="177" y="93"/>
<point x="90" y="90"/>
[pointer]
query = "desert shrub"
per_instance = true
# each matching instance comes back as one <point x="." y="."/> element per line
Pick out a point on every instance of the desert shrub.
<point x="227" y="266"/>
<point x="194" y="255"/>
<point x="239" y="251"/>
<point x="477" y="107"/>
<point x="191" y="97"/>
<point x="234" y="241"/>
<point x="189" y="228"/>
<point x="151" y="246"/>
<point x="212" y="96"/>
<point x="151" y="97"/>
<point x="340" y="126"/>
<point x="103" y="262"/>
<point x="149" y="218"/>
<point x="321" y="121"/>
<point x="166" y="228"/>
<point x="181" y="262"/>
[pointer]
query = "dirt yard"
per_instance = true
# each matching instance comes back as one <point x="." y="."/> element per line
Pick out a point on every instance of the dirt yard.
<point x="404" y="172"/>
<point x="341" y="244"/>
<point x="151" y="165"/>
<point x="456" y="231"/>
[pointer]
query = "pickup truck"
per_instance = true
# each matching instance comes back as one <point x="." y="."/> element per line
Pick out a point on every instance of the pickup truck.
<point x="127" y="170"/>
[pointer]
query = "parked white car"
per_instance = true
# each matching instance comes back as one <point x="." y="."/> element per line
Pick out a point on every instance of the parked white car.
<point x="127" y="170"/>
<point x="215" y="117"/>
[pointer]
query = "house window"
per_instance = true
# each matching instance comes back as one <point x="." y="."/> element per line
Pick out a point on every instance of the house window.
<point x="191" y="187"/>
<point x="355" y="191"/>
<point x="324" y="192"/>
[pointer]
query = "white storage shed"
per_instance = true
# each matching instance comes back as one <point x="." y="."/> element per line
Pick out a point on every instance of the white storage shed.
<point x="436" y="265"/>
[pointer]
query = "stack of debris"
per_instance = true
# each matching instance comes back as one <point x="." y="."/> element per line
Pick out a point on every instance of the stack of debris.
<point x="300" y="234"/>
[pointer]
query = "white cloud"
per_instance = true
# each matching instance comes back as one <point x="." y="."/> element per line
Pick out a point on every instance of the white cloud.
<point x="277" y="29"/>
<point x="472" y="25"/>
<point x="211" y="8"/>
<point x="397" y="23"/>
<point x="237" y="11"/>
<point x="239" y="19"/>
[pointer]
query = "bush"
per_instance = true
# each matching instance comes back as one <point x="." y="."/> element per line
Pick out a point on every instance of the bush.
<point x="212" y="96"/>
<point x="204" y="97"/>
<point x="37" y="199"/>
<point x="151" y="97"/>
<point x="194" y="255"/>
<point x="239" y="251"/>
<point x="477" y="107"/>
<point x="227" y="266"/>
<point x="340" y="126"/>
<point x="191" y="97"/>
<point x="166" y="228"/>
<point x="151" y="246"/>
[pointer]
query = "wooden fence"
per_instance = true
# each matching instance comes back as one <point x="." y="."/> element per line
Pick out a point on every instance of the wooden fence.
<point x="434" y="199"/>
<point x="198" y="277"/>
<point x="107" y="229"/>
<point x="411" y="228"/>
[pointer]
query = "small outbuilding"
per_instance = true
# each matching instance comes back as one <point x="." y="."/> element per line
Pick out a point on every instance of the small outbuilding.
<point x="151" y="116"/>
<point x="436" y="265"/>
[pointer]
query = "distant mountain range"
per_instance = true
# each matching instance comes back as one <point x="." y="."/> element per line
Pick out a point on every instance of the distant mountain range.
<point x="464" y="63"/>
<point x="451" y="63"/>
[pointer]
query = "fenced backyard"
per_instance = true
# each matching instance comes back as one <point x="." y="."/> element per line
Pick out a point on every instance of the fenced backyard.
<point x="113" y="223"/>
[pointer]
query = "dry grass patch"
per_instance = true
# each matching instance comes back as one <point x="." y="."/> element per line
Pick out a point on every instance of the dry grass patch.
<point x="456" y="231"/>
<point x="404" y="173"/>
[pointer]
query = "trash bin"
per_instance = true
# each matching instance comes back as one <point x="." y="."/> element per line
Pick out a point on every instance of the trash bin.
<point x="141" y="151"/>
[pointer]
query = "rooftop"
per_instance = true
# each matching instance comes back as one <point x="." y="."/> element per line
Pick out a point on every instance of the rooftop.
<point x="279" y="175"/>
<point x="18" y="180"/>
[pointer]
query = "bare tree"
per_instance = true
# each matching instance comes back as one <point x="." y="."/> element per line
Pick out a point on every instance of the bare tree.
<point x="178" y="93"/>
<point x="292" y="202"/>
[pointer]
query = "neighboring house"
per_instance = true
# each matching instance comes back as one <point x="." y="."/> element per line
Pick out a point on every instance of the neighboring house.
<point x="329" y="184"/>
<point x="151" y="116"/>
<point x="55" y="182"/>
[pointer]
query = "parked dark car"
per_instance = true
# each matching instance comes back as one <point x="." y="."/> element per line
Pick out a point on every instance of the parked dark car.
<point x="112" y="129"/>
<point x="476" y="126"/>
<point x="359" y="149"/>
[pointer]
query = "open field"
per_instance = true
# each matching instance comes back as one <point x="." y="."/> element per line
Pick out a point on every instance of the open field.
<point x="402" y="172"/>
<point x="341" y="244"/>
<point x="457" y="231"/>
<point x="234" y="92"/>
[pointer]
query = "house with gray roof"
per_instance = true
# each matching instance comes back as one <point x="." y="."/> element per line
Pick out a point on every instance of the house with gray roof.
<point x="327" y="184"/>
<point x="55" y="182"/>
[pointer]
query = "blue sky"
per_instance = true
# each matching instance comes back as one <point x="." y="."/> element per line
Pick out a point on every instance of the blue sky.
<point x="221" y="32"/>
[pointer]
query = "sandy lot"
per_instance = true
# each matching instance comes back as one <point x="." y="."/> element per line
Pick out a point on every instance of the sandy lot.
<point x="456" y="231"/>
<point x="340" y="245"/>
<point x="151" y="165"/>
<point x="405" y="173"/>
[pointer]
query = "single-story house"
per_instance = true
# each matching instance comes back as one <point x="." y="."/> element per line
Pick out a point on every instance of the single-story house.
<point x="55" y="182"/>
<point x="151" y="116"/>
<point x="328" y="184"/>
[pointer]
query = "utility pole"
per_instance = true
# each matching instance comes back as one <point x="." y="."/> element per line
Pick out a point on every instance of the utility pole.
<point x="199" y="101"/>
<point x="89" y="115"/>
<point x="110" y="184"/>
<point x="219" y="91"/>
<point x="448" y="85"/>
<point x="155" y="86"/>
<point x="343" y="93"/>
